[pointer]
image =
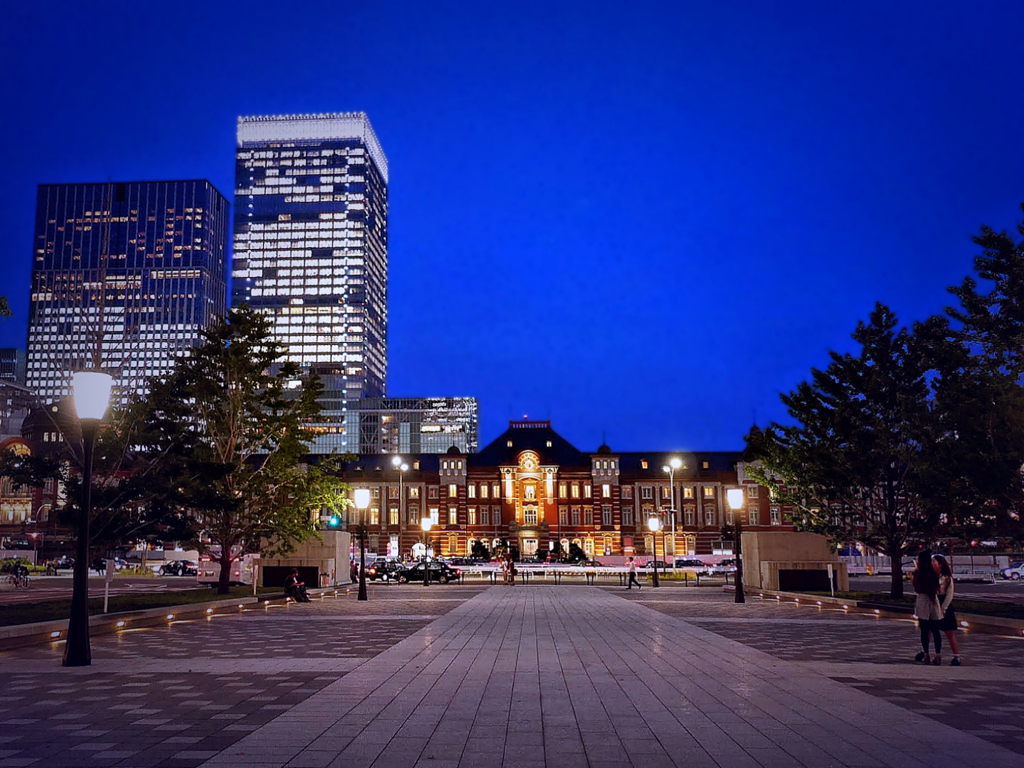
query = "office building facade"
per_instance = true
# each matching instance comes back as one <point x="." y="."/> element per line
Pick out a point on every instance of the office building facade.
<point x="311" y="251"/>
<point x="412" y="425"/>
<point x="124" y="277"/>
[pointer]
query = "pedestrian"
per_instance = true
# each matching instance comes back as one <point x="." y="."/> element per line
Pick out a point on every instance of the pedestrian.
<point x="631" y="566"/>
<point x="947" y="623"/>
<point x="927" y="609"/>
<point x="511" y="571"/>
<point x="353" y="571"/>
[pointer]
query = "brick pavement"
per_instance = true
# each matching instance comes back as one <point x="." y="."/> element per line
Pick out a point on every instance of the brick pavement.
<point x="524" y="676"/>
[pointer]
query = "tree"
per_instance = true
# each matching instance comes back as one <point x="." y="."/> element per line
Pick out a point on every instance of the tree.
<point x="576" y="554"/>
<point x="852" y="464"/>
<point x="480" y="551"/>
<point x="233" y="412"/>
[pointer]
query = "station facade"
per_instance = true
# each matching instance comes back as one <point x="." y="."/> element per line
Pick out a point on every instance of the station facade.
<point x="530" y="488"/>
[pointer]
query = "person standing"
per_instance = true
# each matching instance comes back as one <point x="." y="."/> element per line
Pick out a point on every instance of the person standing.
<point x="631" y="566"/>
<point x="947" y="623"/>
<point x="926" y="608"/>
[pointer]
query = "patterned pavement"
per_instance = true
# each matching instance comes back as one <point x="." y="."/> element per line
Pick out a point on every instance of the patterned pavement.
<point x="175" y="696"/>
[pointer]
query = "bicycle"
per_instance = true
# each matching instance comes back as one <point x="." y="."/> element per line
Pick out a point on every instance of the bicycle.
<point x="16" y="581"/>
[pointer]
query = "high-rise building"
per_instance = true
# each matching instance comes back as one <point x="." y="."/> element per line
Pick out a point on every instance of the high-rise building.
<point x="124" y="276"/>
<point x="412" y="425"/>
<point x="12" y="365"/>
<point x="13" y="405"/>
<point x="311" y="250"/>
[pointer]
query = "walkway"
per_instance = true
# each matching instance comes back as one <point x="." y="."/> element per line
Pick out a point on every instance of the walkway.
<point x="518" y="677"/>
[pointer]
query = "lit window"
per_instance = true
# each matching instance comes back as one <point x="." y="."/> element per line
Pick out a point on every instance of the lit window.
<point x="471" y="490"/>
<point x="606" y="491"/>
<point x="563" y="491"/>
<point x="709" y="492"/>
<point x="453" y="516"/>
<point x="453" y="491"/>
<point x="575" y="490"/>
<point x="751" y="491"/>
<point x="688" y="492"/>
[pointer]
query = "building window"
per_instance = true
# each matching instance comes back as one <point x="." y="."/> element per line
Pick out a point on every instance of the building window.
<point x="453" y="516"/>
<point x="627" y="515"/>
<point x="414" y="492"/>
<point x="435" y="515"/>
<point x="587" y="491"/>
<point x="645" y="492"/>
<point x="376" y="493"/>
<point x="414" y="514"/>
<point x="643" y="463"/>
<point x="530" y="492"/>
<point x="705" y="465"/>
<point x="627" y="492"/>
<point x="709" y="492"/>
<point x="495" y="490"/>
<point x="432" y="492"/>
<point x="374" y="515"/>
<point x="485" y="516"/>
<point x="751" y="491"/>
<point x="689" y="515"/>
<point x="575" y="515"/>
<point x="453" y="544"/>
<point x="752" y="518"/>
<point x="575" y="490"/>
<point x="606" y="515"/>
<point x="563" y="491"/>
<point x="606" y="491"/>
<point x="472" y="516"/>
<point x="392" y="491"/>
<point x="563" y="516"/>
<point x="688" y="492"/>
<point x="530" y="515"/>
<point x="509" y="443"/>
<point x="776" y="516"/>
<point x="588" y="547"/>
<point x="588" y="516"/>
<point x="453" y="491"/>
<point x="666" y="492"/>
<point x="483" y="490"/>
<point x="709" y="516"/>
<point x="471" y="490"/>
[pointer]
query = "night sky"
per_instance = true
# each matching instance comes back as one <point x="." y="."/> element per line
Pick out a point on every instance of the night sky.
<point x="642" y="220"/>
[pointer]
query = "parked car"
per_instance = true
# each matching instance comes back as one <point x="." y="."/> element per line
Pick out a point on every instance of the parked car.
<point x="178" y="568"/>
<point x="439" y="572"/>
<point x="661" y="564"/>
<point x="385" y="570"/>
<point x="725" y="566"/>
<point x="64" y="561"/>
<point x="99" y="564"/>
<point x="689" y="562"/>
<point x="1015" y="571"/>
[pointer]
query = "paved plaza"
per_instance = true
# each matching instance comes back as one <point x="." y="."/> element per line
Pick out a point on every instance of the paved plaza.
<point x="514" y="677"/>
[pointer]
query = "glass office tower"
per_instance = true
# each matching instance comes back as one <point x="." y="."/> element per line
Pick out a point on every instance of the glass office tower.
<point x="311" y="250"/>
<point x="412" y="425"/>
<point x="124" y="276"/>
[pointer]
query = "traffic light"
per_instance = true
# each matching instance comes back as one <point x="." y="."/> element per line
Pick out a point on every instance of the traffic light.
<point x="334" y="521"/>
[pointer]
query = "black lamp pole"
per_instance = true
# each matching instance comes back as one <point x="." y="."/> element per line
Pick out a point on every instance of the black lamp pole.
<point x="77" y="649"/>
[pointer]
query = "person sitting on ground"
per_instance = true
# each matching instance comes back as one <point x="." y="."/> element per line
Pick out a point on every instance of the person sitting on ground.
<point x="294" y="588"/>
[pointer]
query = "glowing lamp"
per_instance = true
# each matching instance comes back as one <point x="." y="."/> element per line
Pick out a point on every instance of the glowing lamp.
<point x="362" y="498"/>
<point x="426" y="523"/>
<point x="91" y="393"/>
<point x="675" y="462"/>
<point x="735" y="498"/>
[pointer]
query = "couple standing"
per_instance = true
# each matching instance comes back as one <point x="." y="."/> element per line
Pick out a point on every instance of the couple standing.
<point x="933" y="583"/>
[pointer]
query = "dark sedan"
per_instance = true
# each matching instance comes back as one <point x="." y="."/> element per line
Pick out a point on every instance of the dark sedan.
<point x="385" y="570"/>
<point x="179" y="568"/>
<point x="439" y="572"/>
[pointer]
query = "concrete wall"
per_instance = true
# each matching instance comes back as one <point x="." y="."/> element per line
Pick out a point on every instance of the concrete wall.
<point x="330" y="558"/>
<point x="765" y="553"/>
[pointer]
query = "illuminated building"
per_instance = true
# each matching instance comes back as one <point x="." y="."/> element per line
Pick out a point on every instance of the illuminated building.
<point x="128" y="273"/>
<point x="412" y="425"/>
<point x="530" y="489"/>
<point x="311" y="251"/>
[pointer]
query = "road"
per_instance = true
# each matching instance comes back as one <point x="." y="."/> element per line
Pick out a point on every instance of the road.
<point x="43" y="588"/>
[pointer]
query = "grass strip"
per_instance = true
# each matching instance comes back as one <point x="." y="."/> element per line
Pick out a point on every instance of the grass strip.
<point x="51" y="610"/>
<point x="1004" y="610"/>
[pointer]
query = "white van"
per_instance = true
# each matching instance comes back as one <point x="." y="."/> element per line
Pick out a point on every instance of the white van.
<point x="243" y="569"/>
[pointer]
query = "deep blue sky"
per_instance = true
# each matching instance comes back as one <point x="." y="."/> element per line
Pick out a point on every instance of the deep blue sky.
<point x="643" y="219"/>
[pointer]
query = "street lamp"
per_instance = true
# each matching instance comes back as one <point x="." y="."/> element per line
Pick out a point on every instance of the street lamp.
<point x="402" y="467"/>
<point x="362" y="502"/>
<point x="735" y="498"/>
<point x="90" y="392"/>
<point x="654" y="523"/>
<point x="425" y="523"/>
<point x="673" y="464"/>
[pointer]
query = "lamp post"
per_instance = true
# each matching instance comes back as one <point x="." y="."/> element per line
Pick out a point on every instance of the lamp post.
<point x="362" y="502"/>
<point x="673" y="464"/>
<point x="425" y="524"/>
<point x="735" y="499"/>
<point x="402" y="467"/>
<point x="91" y="395"/>
<point x="654" y="523"/>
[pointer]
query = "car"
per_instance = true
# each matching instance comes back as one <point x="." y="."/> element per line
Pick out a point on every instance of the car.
<point x="661" y="564"/>
<point x="689" y="562"/>
<point x="1015" y="571"/>
<point x="385" y="570"/>
<point x="179" y="568"/>
<point x="64" y="561"/>
<point x="725" y="566"/>
<point x="99" y="564"/>
<point x="439" y="572"/>
<point x="455" y="562"/>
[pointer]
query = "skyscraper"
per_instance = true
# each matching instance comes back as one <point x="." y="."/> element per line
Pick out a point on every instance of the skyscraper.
<point x="124" y="276"/>
<point x="311" y="250"/>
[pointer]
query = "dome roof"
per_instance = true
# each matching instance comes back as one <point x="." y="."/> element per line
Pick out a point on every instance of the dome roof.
<point x="604" y="449"/>
<point x="453" y="451"/>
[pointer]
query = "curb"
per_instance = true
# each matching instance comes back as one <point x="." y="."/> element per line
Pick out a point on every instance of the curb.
<point x="56" y="631"/>
<point x="969" y="622"/>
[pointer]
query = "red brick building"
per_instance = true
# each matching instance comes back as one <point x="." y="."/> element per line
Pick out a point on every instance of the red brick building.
<point x="530" y="487"/>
